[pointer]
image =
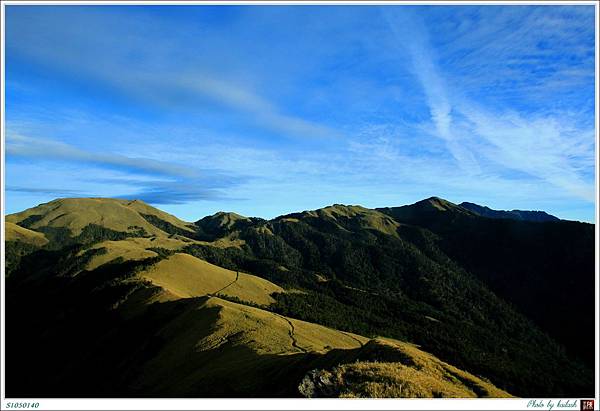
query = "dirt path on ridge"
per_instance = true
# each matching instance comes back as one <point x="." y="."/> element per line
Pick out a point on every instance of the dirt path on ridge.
<point x="237" y="276"/>
<point x="291" y="333"/>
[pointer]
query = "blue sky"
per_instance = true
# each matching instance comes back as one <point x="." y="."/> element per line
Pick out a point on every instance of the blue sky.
<point x="265" y="110"/>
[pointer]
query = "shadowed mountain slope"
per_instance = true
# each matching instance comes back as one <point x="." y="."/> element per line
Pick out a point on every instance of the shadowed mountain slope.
<point x="513" y="214"/>
<point x="537" y="266"/>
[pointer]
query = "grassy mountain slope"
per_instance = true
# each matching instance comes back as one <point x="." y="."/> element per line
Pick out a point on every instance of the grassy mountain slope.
<point x="222" y="225"/>
<point x="187" y="276"/>
<point x="340" y="216"/>
<point x="74" y="214"/>
<point x="137" y="248"/>
<point x="13" y="232"/>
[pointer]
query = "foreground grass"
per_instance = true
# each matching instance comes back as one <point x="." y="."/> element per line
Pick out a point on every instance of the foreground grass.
<point x="416" y="374"/>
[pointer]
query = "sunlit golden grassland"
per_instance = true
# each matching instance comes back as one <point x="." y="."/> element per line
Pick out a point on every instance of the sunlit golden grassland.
<point x="417" y="375"/>
<point x="187" y="276"/>
<point x="13" y="232"/>
<point x="76" y="213"/>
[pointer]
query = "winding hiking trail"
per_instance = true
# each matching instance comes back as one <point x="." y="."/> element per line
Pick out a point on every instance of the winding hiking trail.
<point x="237" y="276"/>
<point x="291" y="332"/>
<point x="216" y="293"/>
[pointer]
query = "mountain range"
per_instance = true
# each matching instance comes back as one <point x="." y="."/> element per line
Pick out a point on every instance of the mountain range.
<point x="513" y="214"/>
<point x="110" y="297"/>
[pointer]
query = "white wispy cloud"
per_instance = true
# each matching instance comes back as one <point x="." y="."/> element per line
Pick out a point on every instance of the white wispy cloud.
<point x="522" y="53"/>
<point x="55" y="191"/>
<point x="155" y="77"/>
<point x="158" y="182"/>
<point x="411" y="37"/>
<point x="265" y="112"/>
<point x="30" y="147"/>
<point x="543" y="147"/>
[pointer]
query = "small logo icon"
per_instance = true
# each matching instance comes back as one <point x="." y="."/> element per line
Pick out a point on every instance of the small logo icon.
<point x="587" y="405"/>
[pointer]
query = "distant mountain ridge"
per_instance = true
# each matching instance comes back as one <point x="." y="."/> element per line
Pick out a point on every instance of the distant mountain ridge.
<point x="522" y="215"/>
